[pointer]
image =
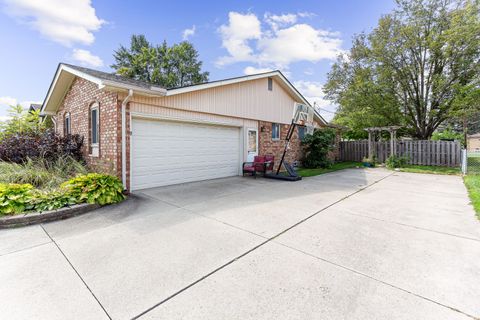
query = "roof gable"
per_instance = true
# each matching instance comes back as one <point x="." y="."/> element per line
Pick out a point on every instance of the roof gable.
<point x="66" y="73"/>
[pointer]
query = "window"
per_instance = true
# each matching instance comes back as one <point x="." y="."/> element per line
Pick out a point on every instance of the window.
<point x="301" y="133"/>
<point x="275" y="131"/>
<point x="270" y="84"/>
<point x="94" y="129"/>
<point x="67" y="125"/>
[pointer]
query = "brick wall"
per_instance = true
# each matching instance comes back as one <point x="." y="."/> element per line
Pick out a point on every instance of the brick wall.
<point x="81" y="95"/>
<point x="295" y="151"/>
<point x="275" y="147"/>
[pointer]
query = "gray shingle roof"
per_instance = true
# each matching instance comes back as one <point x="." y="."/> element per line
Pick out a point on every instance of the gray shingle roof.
<point x="112" y="77"/>
<point x="35" y="106"/>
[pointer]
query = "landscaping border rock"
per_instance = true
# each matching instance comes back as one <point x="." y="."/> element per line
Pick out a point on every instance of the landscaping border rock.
<point x="25" y="219"/>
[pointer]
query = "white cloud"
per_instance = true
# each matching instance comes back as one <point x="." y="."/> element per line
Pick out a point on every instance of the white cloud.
<point x="86" y="58"/>
<point x="276" y="21"/>
<point x="8" y="101"/>
<point x="306" y="14"/>
<point x="188" y="32"/>
<point x="64" y="21"/>
<point x="313" y="92"/>
<point x="281" y="42"/>
<point x="253" y="70"/>
<point x="235" y="36"/>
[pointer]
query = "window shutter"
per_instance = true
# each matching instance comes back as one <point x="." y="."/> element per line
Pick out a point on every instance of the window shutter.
<point x="89" y="130"/>
<point x="98" y="129"/>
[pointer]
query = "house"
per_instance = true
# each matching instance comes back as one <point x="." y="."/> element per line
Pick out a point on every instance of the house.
<point x="34" y="107"/>
<point x="151" y="136"/>
<point x="473" y="142"/>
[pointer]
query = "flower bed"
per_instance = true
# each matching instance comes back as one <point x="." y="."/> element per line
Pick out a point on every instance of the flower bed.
<point x="92" y="188"/>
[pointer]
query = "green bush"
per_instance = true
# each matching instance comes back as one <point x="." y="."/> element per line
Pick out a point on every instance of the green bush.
<point x="395" y="161"/>
<point x="15" y="198"/>
<point x="95" y="188"/>
<point x="41" y="173"/>
<point x="317" y="147"/>
<point x="91" y="188"/>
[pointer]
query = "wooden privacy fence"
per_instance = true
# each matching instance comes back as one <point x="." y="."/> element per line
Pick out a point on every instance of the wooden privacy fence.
<point x="423" y="152"/>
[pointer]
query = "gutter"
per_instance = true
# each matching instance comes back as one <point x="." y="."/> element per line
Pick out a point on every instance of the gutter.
<point x="124" y="137"/>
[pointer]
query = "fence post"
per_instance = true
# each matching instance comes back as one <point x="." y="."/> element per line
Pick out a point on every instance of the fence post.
<point x="464" y="161"/>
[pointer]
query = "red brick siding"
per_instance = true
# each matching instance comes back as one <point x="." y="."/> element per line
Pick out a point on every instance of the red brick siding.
<point x="81" y="95"/>
<point x="268" y="146"/>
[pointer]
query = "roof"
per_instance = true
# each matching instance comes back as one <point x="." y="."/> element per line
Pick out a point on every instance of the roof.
<point x="112" y="77"/>
<point x="66" y="73"/>
<point x="35" y="106"/>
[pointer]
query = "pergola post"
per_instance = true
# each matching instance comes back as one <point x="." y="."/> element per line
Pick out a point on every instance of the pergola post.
<point x="393" y="138"/>
<point x="392" y="142"/>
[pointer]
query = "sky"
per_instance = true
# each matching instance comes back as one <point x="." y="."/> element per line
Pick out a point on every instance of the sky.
<point x="233" y="38"/>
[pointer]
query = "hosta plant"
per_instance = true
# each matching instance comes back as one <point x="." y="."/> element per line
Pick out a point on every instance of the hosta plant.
<point x="95" y="188"/>
<point x="16" y="198"/>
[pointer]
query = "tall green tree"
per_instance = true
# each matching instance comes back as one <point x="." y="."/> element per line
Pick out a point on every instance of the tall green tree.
<point x="417" y="68"/>
<point x="22" y="121"/>
<point x="167" y="66"/>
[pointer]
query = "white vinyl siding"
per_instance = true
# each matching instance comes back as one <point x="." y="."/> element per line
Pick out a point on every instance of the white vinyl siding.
<point x="170" y="152"/>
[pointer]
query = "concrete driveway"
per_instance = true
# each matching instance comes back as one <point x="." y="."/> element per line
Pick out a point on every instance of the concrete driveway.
<point x="353" y="244"/>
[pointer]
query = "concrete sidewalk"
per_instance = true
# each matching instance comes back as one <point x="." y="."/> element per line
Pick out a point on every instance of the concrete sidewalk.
<point x="353" y="244"/>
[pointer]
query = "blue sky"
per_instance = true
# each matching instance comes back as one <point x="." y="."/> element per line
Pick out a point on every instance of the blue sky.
<point x="301" y="38"/>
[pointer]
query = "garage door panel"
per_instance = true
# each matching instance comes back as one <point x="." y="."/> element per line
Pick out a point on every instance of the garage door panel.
<point x="165" y="153"/>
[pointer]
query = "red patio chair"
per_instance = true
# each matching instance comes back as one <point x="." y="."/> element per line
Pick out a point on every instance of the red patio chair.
<point x="258" y="165"/>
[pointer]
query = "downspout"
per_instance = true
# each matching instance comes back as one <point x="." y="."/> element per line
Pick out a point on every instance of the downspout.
<point x="124" y="137"/>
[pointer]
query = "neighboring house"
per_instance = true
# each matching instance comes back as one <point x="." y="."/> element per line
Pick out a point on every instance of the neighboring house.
<point x="473" y="142"/>
<point x="178" y="135"/>
<point x="34" y="107"/>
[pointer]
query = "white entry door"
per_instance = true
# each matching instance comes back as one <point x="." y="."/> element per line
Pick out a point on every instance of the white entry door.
<point x="167" y="152"/>
<point x="252" y="144"/>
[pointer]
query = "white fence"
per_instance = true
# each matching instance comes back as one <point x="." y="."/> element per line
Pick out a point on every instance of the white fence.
<point x="422" y="152"/>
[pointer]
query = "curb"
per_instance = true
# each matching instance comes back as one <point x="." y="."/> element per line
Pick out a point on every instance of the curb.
<point x="25" y="219"/>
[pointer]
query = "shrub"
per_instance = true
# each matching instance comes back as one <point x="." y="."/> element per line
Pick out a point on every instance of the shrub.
<point x="317" y="147"/>
<point x="15" y="198"/>
<point x="91" y="188"/>
<point x="40" y="173"/>
<point x="47" y="144"/>
<point x="395" y="161"/>
<point x="95" y="188"/>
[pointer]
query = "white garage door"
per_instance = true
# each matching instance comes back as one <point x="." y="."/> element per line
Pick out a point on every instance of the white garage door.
<point x="165" y="152"/>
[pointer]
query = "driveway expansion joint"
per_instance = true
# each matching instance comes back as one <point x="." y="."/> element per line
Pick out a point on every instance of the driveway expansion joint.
<point x="414" y="227"/>
<point x="377" y="280"/>
<point x="27" y="248"/>
<point x="268" y="240"/>
<point x="78" y="274"/>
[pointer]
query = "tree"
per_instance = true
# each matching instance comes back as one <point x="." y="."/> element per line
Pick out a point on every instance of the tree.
<point x="174" y="66"/>
<point x="22" y="121"/>
<point x="411" y="70"/>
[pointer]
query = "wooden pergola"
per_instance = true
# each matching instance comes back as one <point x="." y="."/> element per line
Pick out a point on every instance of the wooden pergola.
<point x="393" y="138"/>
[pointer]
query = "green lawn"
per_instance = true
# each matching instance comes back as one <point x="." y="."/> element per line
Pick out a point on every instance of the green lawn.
<point x="472" y="182"/>
<point x="304" y="172"/>
<point x="430" y="169"/>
